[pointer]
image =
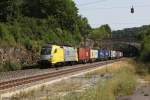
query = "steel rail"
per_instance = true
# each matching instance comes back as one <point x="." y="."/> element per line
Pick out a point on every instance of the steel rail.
<point x="23" y="81"/>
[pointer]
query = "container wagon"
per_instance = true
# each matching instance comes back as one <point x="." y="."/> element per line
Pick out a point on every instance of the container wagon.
<point x="107" y="54"/>
<point x="83" y="55"/>
<point x="93" y="55"/>
<point x="101" y="54"/>
<point x="70" y="55"/>
<point x="113" y="54"/>
<point x="120" y="54"/>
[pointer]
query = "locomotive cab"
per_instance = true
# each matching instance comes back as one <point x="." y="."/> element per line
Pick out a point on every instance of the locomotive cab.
<point x="46" y="55"/>
<point x="51" y="55"/>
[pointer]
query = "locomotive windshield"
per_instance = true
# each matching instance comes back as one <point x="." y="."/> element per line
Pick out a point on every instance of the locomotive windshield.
<point x="46" y="51"/>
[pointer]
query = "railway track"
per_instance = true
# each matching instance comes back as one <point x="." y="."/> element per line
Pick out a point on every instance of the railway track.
<point x="23" y="81"/>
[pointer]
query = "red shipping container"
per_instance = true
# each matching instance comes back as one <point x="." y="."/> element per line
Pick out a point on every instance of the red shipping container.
<point x="84" y="54"/>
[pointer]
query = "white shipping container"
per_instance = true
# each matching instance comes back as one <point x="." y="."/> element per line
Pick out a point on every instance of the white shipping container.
<point x="94" y="54"/>
<point x="113" y="54"/>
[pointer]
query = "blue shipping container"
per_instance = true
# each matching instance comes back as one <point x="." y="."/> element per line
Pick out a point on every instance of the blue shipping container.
<point x="101" y="54"/>
<point x="104" y="54"/>
<point x="107" y="53"/>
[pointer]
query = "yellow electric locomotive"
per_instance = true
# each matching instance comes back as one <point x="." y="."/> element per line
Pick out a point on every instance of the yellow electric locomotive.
<point x="57" y="55"/>
<point x="52" y="54"/>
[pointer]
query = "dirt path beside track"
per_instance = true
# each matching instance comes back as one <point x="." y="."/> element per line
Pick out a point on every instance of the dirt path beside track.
<point x="142" y="92"/>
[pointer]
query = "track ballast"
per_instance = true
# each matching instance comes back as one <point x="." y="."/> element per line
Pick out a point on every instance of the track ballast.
<point x="4" y="85"/>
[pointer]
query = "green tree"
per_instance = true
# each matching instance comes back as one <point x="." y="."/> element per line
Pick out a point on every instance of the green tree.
<point x="145" y="52"/>
<point x="10" y="9"/>
<point x="40" y="20"/>
<point x="101" y="32"/>
<point x="84" y="28"/>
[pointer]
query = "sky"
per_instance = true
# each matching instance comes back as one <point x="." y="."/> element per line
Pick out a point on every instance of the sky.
<point x="116" y="13"/>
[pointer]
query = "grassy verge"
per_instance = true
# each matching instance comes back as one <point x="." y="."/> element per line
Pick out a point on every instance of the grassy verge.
<point x="143" y="70"/>
<point x="122" y="83"/>
<point x="117" y="79"/>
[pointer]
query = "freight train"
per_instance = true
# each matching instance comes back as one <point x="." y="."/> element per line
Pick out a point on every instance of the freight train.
<point x="59" y="55"/>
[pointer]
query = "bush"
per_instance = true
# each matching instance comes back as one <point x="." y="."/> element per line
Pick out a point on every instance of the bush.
<point x="32" y="31"/>
<point x="9" y="66"/>
<point x="145" y="54"/>
<point x="5" y="34"/>
<point x="27" y="42"/>
<point x="15" y="30"/>
<point x="142" y="68"/>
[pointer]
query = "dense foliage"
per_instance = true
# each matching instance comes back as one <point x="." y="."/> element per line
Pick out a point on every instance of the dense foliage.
<point x="100" y="33"/>
<point x="145" y="52"/>
<point x="135" y="32"/>
<point x="34" y="22"/>
<point x="140" y="33"/>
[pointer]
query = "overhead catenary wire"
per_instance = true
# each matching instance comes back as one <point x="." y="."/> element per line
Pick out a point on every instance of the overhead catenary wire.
<point x="126" y="23"/>
<point x="121" y="23"/>
<point x="116" y="7"/>
<point x="91" y="3"/>
<point x="98" y="6"/>
<point x="99" y="1"/>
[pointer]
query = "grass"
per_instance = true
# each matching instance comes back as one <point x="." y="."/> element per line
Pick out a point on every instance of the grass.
<point x="142" y="69"/>
<point x="147" y="77"/>
<point x="44" y="92"/>
<point x="113" y="68"/>
<point x="66" y="86"/>
<point x="23" y="95"/>
<point x="123" y="81"/>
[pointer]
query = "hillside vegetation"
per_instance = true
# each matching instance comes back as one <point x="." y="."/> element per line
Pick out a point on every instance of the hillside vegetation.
<point x="28" y="24"/>
<point x="32" y="23"/>
<point x="142" y="34"/>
